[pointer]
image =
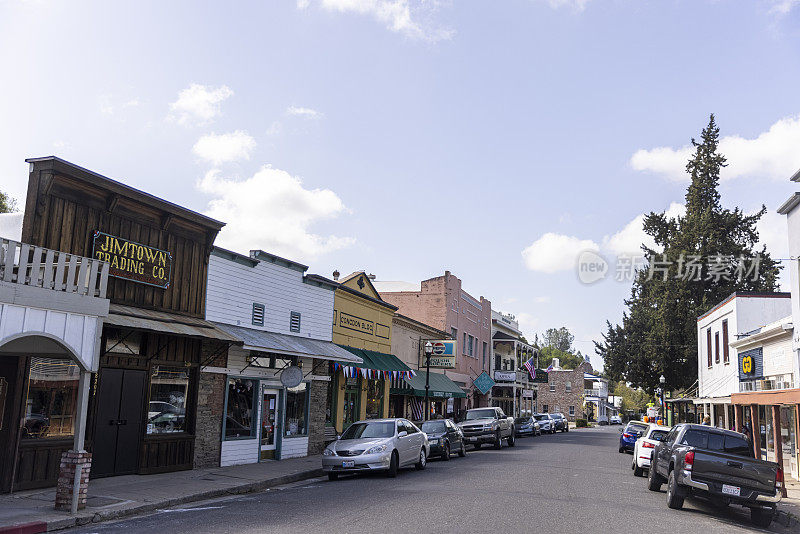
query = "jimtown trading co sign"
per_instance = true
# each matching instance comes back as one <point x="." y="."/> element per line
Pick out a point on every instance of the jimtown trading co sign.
<point x="133" y="261"/>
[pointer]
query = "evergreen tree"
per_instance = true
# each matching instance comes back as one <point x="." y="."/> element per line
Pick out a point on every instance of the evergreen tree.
<point x="7" y="203"/>
<point x="703" y="257"/>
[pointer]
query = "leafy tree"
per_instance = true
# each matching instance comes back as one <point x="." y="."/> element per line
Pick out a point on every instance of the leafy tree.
<point x="634" y="400"/>
<point x="567" y="360"/>
<point x="7" y="203"/>
<point x="559" y="338"/>
<point x="703" y="257"/>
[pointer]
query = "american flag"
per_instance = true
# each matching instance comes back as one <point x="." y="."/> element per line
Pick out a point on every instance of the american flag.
<point x="550" y="368"/>
<point x="531" y="368"/>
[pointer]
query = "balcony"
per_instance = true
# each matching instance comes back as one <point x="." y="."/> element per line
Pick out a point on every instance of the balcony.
<point x="595" y="393"/>
<point x="31" y="266"/>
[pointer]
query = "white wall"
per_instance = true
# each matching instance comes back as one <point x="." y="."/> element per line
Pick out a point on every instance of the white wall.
<point x="793" y="223"/>
<point x="234" y="287"/>
<point x="294" y="447"/>
<point x="744" y="314"/>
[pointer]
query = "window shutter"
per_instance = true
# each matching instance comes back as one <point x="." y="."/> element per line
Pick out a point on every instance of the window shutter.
<point x="294" y="322"/>
<point x="708" y="340"/>
<point x="725" y="354"/>
<point x="258" y="314"/>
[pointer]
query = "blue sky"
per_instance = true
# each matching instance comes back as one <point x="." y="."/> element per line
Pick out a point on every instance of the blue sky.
<point x="407" y="137"/>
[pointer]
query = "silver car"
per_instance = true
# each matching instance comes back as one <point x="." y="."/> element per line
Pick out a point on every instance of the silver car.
<point x="376" y="445"/>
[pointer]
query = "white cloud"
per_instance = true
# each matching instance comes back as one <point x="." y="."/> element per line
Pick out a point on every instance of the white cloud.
<point x="225" y="147"/>
<point x="772" y="154"/>
<point x="543" y="299"/>
<point x="629" y="240"/>
<point x="109" y="107"/>
<point x="408" y="17"/>
<point x="555" y="252"/>
<point x="199" y="103"/>
<point x="528" y="324"/>
<point x="273" y="211"/>
<point x="306" y="113"/>
<point x="576" y="5"/>
<point x="783" y="7"/>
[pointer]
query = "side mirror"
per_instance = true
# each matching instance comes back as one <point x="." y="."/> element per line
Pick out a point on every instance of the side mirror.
<point x="402" y="433"/>
<point x="338" y="436"/>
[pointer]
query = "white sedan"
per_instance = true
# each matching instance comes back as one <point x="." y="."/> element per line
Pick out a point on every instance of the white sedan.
<point x="643" y="448"/>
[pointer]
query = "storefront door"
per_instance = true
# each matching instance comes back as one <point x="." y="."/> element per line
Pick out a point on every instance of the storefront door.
<point x="789" y="441"/>
<point x="352" y="396"/>
<point x="8" y="436"/>
<point x="269" y="423"/>
<point x="118" y="423"/>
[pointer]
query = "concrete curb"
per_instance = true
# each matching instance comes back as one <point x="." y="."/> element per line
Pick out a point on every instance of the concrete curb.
<point x="108" y="515"/>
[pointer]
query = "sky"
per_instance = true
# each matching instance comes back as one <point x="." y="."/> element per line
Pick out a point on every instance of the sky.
<point x="498" y="140"/>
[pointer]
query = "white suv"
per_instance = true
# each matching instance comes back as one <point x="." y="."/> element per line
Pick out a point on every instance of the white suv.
<point x="643" y="448"/>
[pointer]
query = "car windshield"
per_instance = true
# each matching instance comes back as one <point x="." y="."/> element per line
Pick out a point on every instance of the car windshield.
<point x="369" y="430"/>
<point x="480" y="414"/>
<point x="638" y="429"/>
<point x="432" y="427"/>
<point x="541" y="417"/>
<point x="522" y="420"/>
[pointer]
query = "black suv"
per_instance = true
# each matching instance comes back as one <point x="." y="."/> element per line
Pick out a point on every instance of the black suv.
<point x="560" y="422"/>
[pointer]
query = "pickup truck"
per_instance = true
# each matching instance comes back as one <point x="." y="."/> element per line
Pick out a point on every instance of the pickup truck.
<point x="718" y="464"/>
<point x="487" y="425"/>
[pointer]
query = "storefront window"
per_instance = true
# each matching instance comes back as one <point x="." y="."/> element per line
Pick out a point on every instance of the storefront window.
<point x="374" y="399"/>
<point x="169" y="391"/>
<point x="52" y="396"/>
<point x="329" y="402"/>
<point x="296" y="404"/>
<point x="240" y="414"/>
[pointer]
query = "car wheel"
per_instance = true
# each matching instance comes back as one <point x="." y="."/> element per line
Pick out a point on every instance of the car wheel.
<point x="761" y="517"/>
<point x="498" y="441"/>
<point x="423" y="460"/>
<point x="638" y="471"/>
<point x="654" y="481"/>
<point x="463" y="451"/>
<point x="446" y="455"/>
<point x="394" y="463"/>
<point x="621" y="450"/>
<point x="633" y="463"/>
<point x="333" y="476"/>
<point x="511" y="440"/>
<point x="675" y="493"/>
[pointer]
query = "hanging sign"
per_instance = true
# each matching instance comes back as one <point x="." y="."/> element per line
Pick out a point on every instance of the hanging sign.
<point x="133" y="261"/>
<point x="483" y="382"/>
<point x="505" y="376"/>
<point x="291" y="376"/>
<point x="444" y="354"/>
<point x="751" y="364"/>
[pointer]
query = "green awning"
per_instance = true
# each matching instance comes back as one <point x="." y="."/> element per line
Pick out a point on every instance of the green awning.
<point x="440" y="386"/>
<point x="379" y="361"/>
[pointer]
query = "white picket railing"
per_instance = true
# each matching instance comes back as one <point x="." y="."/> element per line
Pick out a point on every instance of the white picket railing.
<point x="34" y="266"/>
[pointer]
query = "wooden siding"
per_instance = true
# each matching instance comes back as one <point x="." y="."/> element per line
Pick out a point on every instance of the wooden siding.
<point x="240" y="451"/>
<point x="294" y="447"/>
<point x="67" y="214"/>
<point x="39" y="462"/>
<point x="234" y="287"/>
<point x="159" y="454"/>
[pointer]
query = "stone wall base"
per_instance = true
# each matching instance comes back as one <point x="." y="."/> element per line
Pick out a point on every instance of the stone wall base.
<point x="70" y="460"/>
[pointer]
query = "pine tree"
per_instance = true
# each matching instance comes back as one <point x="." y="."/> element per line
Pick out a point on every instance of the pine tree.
<point x="699" y="263"/>
<point x="7" y="203"/>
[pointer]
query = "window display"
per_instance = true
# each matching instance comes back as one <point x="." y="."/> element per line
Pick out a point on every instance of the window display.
<point x="169" y="391"/>
<point x="296" y="408"/>
<point x="240" y="413"/>
<point x="52" y="396"/>
<point x="374" y="399"/>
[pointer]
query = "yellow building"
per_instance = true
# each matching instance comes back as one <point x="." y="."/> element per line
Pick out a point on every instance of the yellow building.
<point x="362" y="323"/>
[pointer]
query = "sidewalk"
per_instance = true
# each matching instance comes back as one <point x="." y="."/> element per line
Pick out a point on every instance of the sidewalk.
<point x="114" y="497"/>
<point x="789" y="507"/>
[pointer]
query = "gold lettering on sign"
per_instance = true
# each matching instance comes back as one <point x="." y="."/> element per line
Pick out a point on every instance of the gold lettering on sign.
<point x="351" y="322"/>
<point x="133" y="261"/>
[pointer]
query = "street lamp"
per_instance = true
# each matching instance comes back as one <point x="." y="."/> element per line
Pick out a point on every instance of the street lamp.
<point x="662" y="380"/>
<point x="428" y="352"/>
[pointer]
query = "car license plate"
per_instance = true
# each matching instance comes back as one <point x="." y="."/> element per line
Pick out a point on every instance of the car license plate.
<point x="348" y="463"/>
<point x="731" y="490"/>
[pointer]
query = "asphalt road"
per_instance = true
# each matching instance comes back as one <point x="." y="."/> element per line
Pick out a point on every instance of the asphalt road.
<point x="574" y="482"/>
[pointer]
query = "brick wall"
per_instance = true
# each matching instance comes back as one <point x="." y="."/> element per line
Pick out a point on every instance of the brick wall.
<point x="208" y="428"/>
<point x="318" y="400"/>
<point x="560" y="400"/>
<point x="66" y="479"/>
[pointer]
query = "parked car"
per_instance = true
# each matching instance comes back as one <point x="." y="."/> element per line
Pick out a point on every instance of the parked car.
<point x="643" y="449"/>
<point x="719" y="464"/>
<point x="376" y="445"/>
<point x="632" y="431"/>
<point x="444" y="437"/>
<point x="615" y="420"/>
<point x="561" y="422"/>
<point x="527" y="426"/>
<point x="488" y="425"/>
<point x="546" y="425"/>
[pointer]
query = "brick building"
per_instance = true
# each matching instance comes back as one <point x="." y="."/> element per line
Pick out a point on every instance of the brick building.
<point x="442" y="303"/>
<point x="564" y="391"/>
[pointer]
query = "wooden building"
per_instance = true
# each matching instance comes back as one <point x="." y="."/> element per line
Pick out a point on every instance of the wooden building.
<point x="143" y="401"/>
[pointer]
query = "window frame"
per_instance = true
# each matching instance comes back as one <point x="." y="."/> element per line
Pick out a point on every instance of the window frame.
<point x="572" y="411"/>
<point x="716" y="347"/>
<point x="568" y="387"/>
<point x="708" y="349"/>
<point x="256" y="400"/>
<point x="726" y="356"/>
<point x="307" y="413"/>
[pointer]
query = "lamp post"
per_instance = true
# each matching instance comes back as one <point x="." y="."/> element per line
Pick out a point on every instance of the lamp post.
<point x="662" y="380"/>
<point x="428" y="352"/>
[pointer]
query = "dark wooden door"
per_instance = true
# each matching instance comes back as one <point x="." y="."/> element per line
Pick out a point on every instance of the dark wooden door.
<point x="118" y="424"/>
<point x="8" y="428"/>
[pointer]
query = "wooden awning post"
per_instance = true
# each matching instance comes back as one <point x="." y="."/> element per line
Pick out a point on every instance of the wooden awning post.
<point x="756" y="430"/>
<point x="777" y="441"/>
